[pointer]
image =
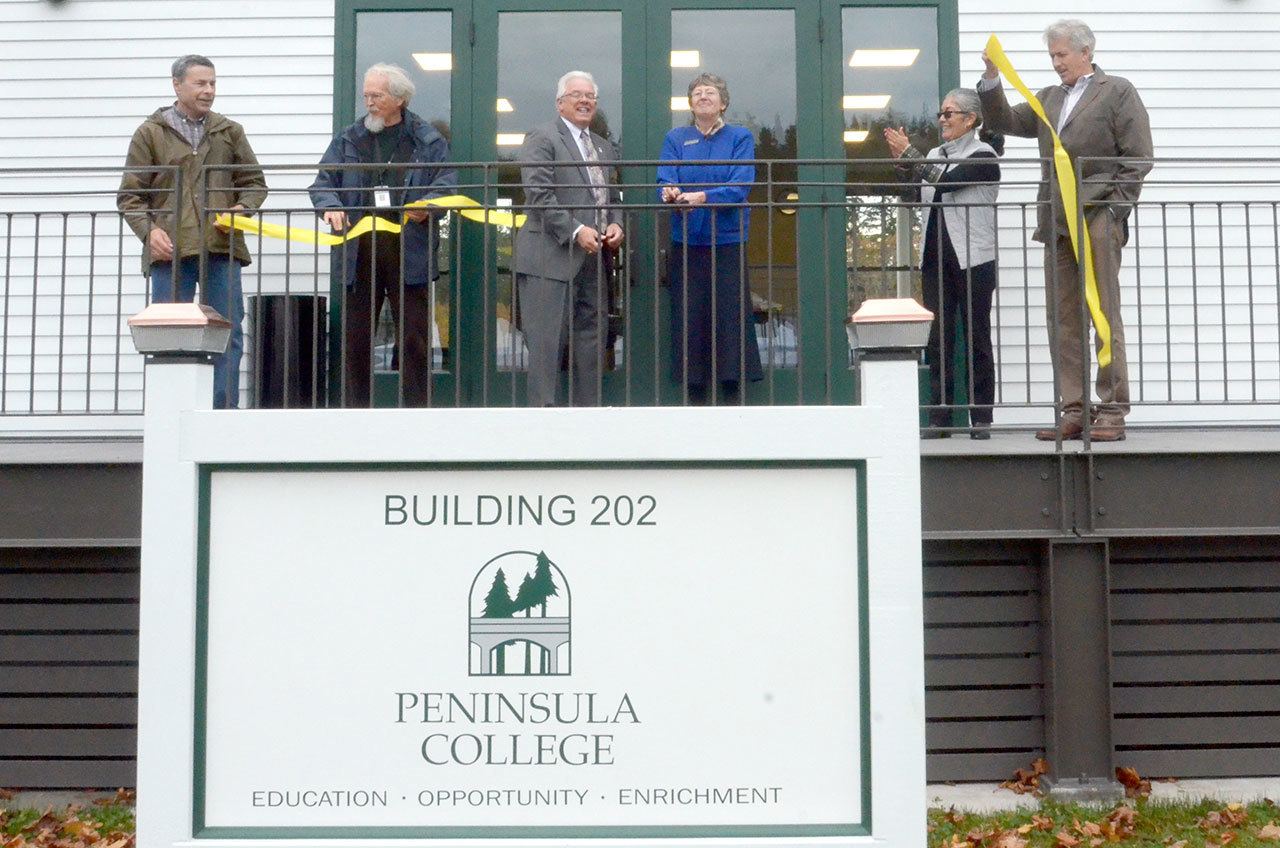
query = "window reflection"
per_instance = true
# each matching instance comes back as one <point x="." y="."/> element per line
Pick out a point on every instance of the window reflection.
<point x="890" y="80"/>
<point x="527" y="75"/>
<point x="421" y="43"/>
<point x="755" y="51"/>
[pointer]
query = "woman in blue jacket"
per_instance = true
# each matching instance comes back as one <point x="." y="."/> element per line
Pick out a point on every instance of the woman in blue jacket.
<point x="710" y="295"/>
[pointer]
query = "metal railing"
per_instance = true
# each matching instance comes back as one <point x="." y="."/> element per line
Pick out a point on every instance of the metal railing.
<point x="1199" y="291"/>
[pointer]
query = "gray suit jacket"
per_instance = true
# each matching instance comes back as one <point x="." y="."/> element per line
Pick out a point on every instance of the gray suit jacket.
<point x="1109" y="120"/>
<point x="558" y="199"/>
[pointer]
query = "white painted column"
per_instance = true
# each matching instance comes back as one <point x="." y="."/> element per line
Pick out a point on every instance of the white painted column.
<point x="889" y="336"/>
<point x="179" y="340"/>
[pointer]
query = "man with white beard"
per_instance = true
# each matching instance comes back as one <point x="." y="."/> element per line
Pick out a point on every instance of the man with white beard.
<point x="412" y="154"/>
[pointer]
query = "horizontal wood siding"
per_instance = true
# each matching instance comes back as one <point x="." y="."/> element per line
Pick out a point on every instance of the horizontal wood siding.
<point x="1195" y="635"/>
<point x="68" y="667"/>
<point x="76" y="79"/>
<point x="1208" y="63"/>
<point x="983" y="705"/>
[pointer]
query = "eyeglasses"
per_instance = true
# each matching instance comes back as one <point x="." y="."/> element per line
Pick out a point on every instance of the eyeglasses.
<point x="579" y="95"/>
<point x="950" y="113"/>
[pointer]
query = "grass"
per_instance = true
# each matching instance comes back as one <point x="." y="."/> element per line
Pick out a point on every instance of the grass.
<point x="109" y="825"/>
<point x="1133" y="823"/>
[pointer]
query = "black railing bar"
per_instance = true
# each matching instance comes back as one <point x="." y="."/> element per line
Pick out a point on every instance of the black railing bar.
<point x="657" y="326"/>
<point x="88" y="355"/>
<point x="1168" y="306"/>
<point x="94" y="169"/>
<point x="319" y="353"/>
<point x="489" y="320"/>
<point x="115" y="407"/>
<point x="1195" y="301"/>
<point x="513" y="164"/>
<point x="1275" y="241"/>
<point x="1222" y="301"/>
<point x="771" y="368"/>
<point x="455" y="318"/>
<point x="35" y="288"/>
<point x="512" y="353"/>
<point x="1136" y="231"/>
<point x="288" y="324"/>
<point x="1253" y="350"/>
<point x="4" y="327"/>
<point x="62" y="308"/>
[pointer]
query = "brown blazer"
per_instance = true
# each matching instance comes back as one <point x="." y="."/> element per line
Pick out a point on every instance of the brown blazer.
<point x="1109" y="120"/>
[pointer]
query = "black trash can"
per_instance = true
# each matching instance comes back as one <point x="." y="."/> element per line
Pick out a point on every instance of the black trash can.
<point x="289" y="350"/>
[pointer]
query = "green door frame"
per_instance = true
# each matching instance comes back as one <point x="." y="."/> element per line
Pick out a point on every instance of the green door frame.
<point x="844" y="380"/>
<point x="822" y="375"/>
<point x="446" y="384"/>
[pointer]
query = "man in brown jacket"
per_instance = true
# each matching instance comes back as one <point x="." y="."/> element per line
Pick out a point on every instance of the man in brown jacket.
<point x="189" y="135"/>
<point x="1095" y="115"/>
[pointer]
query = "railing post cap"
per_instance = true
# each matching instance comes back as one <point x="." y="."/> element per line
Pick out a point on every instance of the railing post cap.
<point x="193" y="330"/>
<point x="889" y="324"/>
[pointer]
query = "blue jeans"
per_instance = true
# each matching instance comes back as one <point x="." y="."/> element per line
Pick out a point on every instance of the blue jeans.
<point x="223" y="294"/>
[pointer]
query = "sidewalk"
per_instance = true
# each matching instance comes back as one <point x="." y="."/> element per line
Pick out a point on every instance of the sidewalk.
<point x="990" y="798"/>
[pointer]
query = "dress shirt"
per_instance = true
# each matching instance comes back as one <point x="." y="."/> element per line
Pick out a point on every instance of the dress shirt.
<point x="1074" y="93"/>
<point x="594" y="172"/>
<point x="189" y="128"/>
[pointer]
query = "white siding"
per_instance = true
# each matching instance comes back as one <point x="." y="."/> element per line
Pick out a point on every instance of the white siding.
<point x="76" y="79"/>
<point x="1208" y="72"/>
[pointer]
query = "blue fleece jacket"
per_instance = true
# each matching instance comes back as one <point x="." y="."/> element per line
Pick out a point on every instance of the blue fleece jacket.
<point x="686" y="150"/>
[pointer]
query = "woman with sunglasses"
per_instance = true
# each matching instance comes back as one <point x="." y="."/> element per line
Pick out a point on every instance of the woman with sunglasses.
<point x="958" y="255"/>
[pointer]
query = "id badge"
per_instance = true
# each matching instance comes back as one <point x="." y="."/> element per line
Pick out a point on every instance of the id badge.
<point x="382" y="196"/>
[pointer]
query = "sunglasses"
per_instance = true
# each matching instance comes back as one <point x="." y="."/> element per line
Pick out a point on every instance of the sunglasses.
<point x="949" y="114"/>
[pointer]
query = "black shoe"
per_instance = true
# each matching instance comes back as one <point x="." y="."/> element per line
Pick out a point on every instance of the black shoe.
<point x="934" y="434"/>
<point x="980" y="430"/>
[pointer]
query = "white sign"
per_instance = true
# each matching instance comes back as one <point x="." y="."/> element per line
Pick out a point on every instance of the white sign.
<point x="663" y="650"/>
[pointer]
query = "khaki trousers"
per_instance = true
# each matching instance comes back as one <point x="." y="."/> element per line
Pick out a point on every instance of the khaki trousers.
<point x="1069" y="321"/>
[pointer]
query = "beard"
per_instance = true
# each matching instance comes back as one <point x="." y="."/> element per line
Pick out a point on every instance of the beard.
<point x="374" y="124"/>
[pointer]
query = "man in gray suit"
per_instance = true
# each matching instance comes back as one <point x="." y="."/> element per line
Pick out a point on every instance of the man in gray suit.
<point x="562" y="251"/>
<point x="1094" y="115"/>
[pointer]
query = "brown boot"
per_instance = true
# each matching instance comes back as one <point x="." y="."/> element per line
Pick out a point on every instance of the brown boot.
<point x="1069" y="427"/>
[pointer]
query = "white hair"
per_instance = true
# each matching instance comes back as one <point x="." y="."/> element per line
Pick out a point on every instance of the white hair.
<point x="1074" y="32"/>
<point x="563" y="84"/>
<point x="399" y="85"/>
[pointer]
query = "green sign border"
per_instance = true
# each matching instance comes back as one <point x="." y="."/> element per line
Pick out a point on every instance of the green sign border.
<point x="201" y="831"/>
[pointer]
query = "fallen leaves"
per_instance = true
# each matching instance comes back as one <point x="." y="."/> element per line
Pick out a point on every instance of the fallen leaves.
<point x="1269" y="832"/>
<point x="1134" y="785"/>
<point x="128" y="797"/>
<point x="1027" y="781"/>
<point x="70" y="828"/>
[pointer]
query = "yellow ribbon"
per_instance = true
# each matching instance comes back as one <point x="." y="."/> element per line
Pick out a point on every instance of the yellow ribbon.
<point x="466" y="207"/>
<point x="1067" y="186"/>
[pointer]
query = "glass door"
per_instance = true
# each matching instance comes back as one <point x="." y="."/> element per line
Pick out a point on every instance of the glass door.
<point x="819" y="240"/>
<point x="531" y="45"/>
<point x="431" y="42"/>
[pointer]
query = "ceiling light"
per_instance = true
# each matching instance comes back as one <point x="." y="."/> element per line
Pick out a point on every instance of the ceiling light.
<point x="504" y="105"/>
<point x="863" y="58"/>
<point x="686" y="59"/>
<point x="434" y="61"/>
<point x="865" y="101"/>
<point x="855" y="136"/>
<point x="679" y="103"/>
<point x="510" y="139"/>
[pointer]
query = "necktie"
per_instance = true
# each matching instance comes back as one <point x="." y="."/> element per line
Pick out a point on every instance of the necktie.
<point x="596" y="174"/>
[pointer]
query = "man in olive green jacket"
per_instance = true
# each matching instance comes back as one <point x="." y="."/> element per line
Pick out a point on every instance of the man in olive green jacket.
<point x="189" y="135"/>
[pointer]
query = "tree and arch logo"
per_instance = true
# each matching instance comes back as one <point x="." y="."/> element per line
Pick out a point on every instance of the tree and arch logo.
<point x="521" y="634"/>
